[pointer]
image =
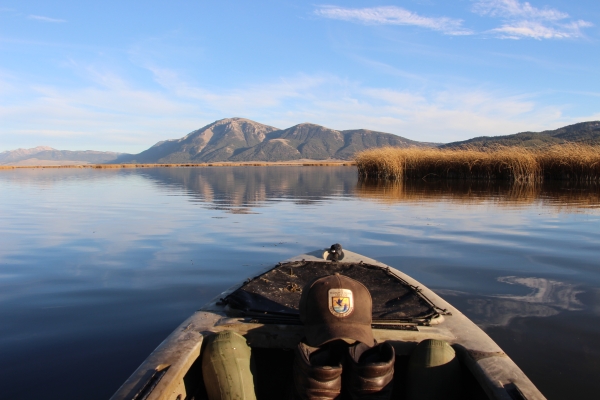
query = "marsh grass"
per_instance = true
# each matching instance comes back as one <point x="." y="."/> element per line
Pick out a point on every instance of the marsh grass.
<point x="515" y="164"/>
<point x="575" y="162"/>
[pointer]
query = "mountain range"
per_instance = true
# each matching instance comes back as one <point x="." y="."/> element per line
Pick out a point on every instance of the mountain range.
<point x="239" y="140"/>
<point x="583" y="132"/>
<point x="44" y="155"/>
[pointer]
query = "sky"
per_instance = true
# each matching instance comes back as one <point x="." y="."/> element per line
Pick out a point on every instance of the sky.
<point x="123" y="75"/>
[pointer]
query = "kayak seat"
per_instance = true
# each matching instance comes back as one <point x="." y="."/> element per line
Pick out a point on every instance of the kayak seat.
<point x="232" y="370"/>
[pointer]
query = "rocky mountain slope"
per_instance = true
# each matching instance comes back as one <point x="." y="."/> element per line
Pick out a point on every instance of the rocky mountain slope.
<point x="584" y="132"/>
<point x="44" y="155"/>
<point x="238" y="139"/>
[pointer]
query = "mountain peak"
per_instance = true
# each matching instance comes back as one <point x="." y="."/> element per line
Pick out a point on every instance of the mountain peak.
<point x="30" y="151"/>
<point x="309" y="125"/>
<point x="238" y="120"/>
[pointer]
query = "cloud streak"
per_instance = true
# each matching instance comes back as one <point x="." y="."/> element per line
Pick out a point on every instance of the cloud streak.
<point x="513" y="8"/>
<point x="522" y="20"/>
<point x="46" y="19"/>
<point x="538" y="30"/>
<point x="392" y="15"/>
<point x="519" y="19"/>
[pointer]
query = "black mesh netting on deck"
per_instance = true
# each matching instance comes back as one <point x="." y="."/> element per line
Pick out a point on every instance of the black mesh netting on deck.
<point x="277" y="292"/>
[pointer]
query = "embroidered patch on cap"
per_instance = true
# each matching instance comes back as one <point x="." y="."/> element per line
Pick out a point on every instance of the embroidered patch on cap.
<point x="341" y="302"/>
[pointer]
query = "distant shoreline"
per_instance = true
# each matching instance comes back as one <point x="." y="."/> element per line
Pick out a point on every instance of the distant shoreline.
<point x="303" y="163"/>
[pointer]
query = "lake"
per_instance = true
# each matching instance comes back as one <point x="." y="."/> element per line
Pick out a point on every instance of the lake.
<point x="97" y="267"/>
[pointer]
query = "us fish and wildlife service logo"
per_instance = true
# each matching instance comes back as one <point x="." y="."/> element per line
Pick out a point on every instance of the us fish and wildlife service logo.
<point x="341" y="302"/>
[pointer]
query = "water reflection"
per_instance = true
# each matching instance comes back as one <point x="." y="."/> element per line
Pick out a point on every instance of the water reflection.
<point x="238" y="189"/>
<point x="100" y="265"/>
<point x="545" y="291"/>
<point x="557" y="194"/>
<point x="546" y="298"/>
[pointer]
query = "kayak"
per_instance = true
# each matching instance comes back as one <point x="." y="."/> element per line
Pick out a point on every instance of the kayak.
<point x="265" y="311"/>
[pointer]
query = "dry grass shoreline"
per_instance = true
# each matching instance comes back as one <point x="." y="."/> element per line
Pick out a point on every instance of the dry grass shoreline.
<point x="311" y="163"/>
<point x="516" y="164"/>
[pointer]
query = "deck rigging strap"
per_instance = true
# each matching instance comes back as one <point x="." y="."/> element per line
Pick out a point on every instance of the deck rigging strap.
<point x="275" y="295"/>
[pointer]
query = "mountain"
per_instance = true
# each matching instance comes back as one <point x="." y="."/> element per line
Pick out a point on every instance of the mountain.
<point x="44" y="155"/>
<point x="583" y="132"/>
<point x="21" y="154"/>
<point x="238" y="139"/>
<point x="218" y="141"/>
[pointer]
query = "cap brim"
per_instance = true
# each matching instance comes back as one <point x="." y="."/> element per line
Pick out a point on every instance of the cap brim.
<point x="318" y="335"/>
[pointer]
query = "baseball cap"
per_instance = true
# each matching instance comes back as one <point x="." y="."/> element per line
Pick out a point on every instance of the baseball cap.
<point x="336" y="307"/>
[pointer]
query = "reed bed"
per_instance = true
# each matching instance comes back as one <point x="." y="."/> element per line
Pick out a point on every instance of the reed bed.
<point x="515" y="164"/>
<point x="574" y="162"/>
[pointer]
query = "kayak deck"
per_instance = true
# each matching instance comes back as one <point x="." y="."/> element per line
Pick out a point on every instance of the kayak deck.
<point x="274" y="297"/>
<point x="265" y="311"/>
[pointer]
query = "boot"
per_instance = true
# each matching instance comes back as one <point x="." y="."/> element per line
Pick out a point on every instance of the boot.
<point x="317" y="373"/>
<point x="370" y="372"/>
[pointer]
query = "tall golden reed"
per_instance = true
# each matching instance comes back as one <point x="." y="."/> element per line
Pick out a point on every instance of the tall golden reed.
<point x="571" y="161"/>
<point x="516" y="164"/>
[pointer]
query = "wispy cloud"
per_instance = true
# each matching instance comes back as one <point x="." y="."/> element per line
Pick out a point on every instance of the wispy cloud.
<point x="46" y="19"/>
<point x="522" y="20"/>
<point x="539" y="30"/>
<point x="392" y="15"/>
<point x="513" y="8"/>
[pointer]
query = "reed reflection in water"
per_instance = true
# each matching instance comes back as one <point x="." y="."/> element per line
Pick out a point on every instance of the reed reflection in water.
<point x="558" y="195"/>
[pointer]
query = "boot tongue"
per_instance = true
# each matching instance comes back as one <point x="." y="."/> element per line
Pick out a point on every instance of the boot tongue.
<point x="363" y="354"/>
<point x="329" y="355"/>
<point x="357" y="351"/>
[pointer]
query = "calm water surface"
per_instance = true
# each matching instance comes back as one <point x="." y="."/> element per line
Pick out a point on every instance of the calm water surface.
<point x="97" y="267"/>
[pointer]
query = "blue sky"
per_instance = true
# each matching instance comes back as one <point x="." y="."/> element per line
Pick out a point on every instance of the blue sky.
<point x="122" y="75"/>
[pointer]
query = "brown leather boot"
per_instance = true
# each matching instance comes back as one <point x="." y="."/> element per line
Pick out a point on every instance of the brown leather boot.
<point x="317" y="373"/>
<point x="369" y="372"/>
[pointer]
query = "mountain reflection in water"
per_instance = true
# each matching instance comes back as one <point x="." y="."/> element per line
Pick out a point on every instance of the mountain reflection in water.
<point x="238" y="189"/>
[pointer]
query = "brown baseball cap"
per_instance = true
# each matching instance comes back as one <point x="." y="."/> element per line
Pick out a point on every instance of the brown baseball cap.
<point x="336" y="307"/>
